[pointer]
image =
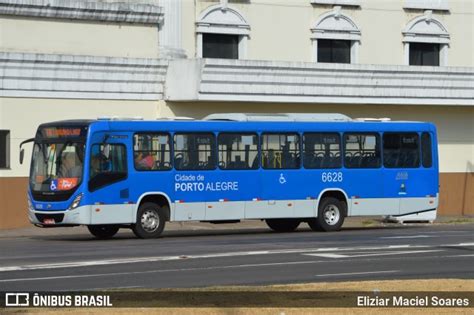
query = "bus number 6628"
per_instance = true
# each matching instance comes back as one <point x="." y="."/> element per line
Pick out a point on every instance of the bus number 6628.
<point x="328" y="177"/>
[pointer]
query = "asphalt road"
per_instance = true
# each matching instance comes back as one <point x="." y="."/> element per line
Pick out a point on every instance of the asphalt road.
<point x="235" y="257"/>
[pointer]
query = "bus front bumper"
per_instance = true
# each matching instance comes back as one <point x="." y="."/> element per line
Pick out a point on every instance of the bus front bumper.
<point x="79" y="216"/>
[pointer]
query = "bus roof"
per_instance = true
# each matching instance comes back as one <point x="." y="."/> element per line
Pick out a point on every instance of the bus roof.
<point x="228" y="123"/>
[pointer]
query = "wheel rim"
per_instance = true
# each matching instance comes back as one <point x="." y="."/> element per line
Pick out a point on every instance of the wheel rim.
<point x="331" y="214"/>
<point x="150" y="221"/>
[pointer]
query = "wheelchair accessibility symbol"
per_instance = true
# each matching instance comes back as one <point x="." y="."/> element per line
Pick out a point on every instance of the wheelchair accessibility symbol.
<point x="54" y="185"/>
<point x="282" y="179"/>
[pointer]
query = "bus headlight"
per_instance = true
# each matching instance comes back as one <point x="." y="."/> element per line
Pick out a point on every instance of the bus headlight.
<point x="75" y="203"/>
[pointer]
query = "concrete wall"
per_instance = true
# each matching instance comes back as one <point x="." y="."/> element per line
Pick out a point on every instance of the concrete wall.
<point x="19" y="34"/>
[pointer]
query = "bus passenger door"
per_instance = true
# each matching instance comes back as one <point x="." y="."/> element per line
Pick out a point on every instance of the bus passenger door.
<point x="404" y="180"/>
<point x="393" y="186"/>
<point x="108" y="179"/>
<point x="421" y="177"/>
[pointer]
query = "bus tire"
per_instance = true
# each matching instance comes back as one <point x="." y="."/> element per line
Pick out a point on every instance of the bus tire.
<point x="331" y="215"/>
<point x="283" y="225"/>
<point x="151" y="219"/>
<point x="103" y="231"/>
<point x="314" y="225"/>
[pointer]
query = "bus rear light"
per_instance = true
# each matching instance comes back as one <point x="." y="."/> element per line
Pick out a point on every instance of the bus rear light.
<point x="179" y="201"/>
<point x="75" y="203"/>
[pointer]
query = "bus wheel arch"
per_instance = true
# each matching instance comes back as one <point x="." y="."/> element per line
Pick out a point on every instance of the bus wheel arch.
<point x="160" y="199"/>
<point x="151" y="216"/>
<point x="332" y="210"/>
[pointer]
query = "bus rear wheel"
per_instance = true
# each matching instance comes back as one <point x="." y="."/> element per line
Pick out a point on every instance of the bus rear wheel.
<point x="103" y="231"/>
<point x="283" y="225"/>
<point x="151" y="221"/>
<point x="331" y="215"/>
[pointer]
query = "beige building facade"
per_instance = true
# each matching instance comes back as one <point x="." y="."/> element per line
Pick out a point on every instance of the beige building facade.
<point x="403" y="59"/>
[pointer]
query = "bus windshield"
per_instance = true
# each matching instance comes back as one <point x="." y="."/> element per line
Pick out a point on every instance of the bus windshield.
<point x="57" y="166"/>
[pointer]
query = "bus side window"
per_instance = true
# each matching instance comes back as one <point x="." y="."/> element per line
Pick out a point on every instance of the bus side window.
<point x="238" y="151"/>
<point x="280" y="151"/>
<point x="107" y="170"/>
<point x="322" y="150"/>
<point x="194" y="151"/>
<point x="426" y="150"/>
<point x="401" y="150"/>
<point x="152" y="152"/>
<point x="361" y="150"/>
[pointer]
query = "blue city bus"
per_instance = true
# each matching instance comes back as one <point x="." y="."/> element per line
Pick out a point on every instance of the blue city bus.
<point x="285" y="169"/>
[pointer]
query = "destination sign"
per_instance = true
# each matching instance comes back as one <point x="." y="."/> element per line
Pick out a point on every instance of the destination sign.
<point x="62" y="132"/>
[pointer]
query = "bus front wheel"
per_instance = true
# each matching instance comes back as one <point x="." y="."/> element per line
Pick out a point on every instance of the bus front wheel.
<point x="331" y="214"/>
<point x="150" y="221"/>
<point x="283" y="225"/>
<point x="103" y="231"/>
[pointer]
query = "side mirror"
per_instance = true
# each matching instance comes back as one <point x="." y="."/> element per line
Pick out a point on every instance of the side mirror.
<point x="22" y="155"/>
<point x="22" y="151"/>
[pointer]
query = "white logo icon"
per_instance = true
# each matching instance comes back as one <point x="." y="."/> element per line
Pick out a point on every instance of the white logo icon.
<point x="67" y="185"/>
<point x="17" y="299"/>
<point x="53" y="186"/>
<point x="282" y="179"/>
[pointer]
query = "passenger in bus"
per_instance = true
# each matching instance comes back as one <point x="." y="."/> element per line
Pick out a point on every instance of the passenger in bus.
<point x="144" y="161"/>
<point x="95" y="165"/>
<point x="69" y="168"/>
<point x="270" y="159"/>
<point x="99" y="164"/>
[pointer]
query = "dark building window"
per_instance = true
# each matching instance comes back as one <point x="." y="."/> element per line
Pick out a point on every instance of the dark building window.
<point x="4" y="149"/>
<point x="424" y="54"/>
<point x="220" y="46"/>
<point x="334" y="51"/>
